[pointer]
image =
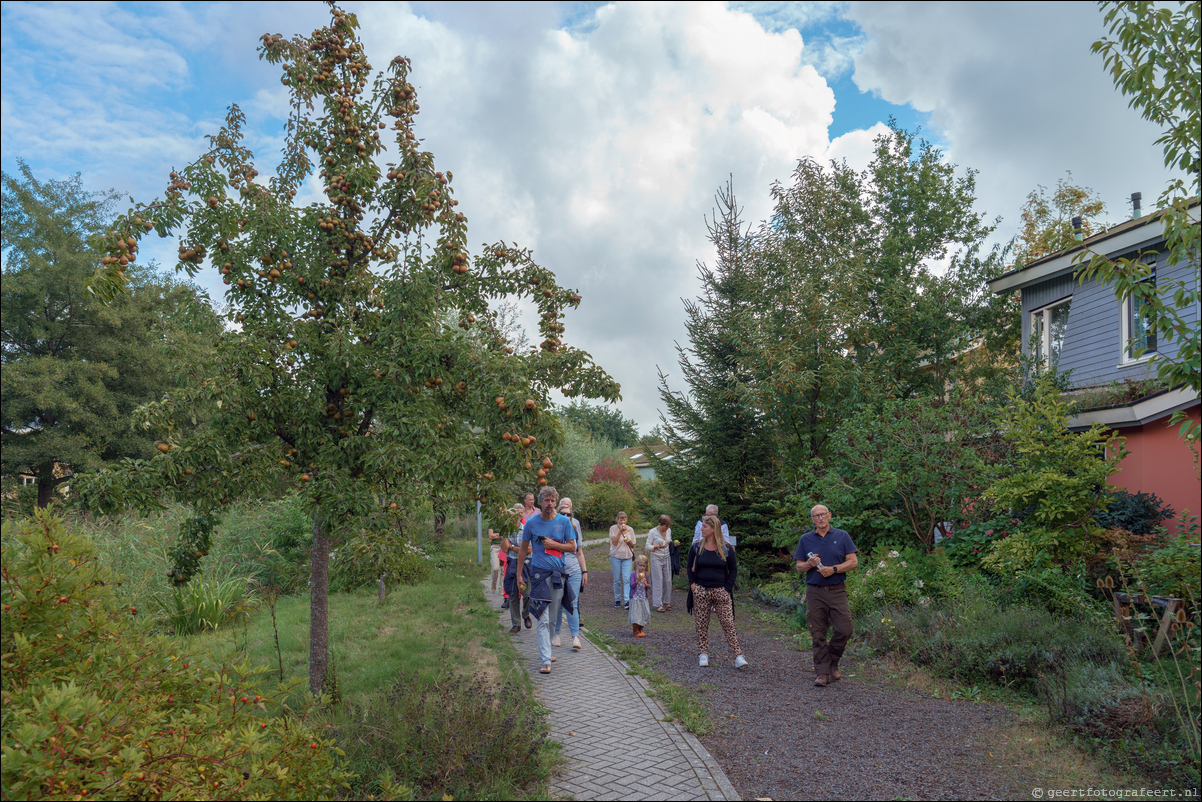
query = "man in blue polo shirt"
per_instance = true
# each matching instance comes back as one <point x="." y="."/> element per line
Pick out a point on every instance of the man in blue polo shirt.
<point x="546" y="537"/>
<point x="826" y="554"/>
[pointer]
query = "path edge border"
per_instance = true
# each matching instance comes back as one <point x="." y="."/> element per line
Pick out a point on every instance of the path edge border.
<point x="703" y="754"/>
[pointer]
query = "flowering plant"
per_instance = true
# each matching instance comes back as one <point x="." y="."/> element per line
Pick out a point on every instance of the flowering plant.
<point x="888" y="580"/>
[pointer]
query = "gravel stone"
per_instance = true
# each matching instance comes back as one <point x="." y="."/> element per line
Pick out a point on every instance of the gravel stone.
<point x="779" y="737"/>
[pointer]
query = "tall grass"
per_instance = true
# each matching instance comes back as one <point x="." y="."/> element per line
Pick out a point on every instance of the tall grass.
<point x="434" y="697"/>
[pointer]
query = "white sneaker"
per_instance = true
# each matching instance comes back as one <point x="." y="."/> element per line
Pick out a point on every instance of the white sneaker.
<point x="703" y="660"/>
<point x="555" y="641"/>
<point x="740" y="661"/>
<point x="576" y="643"/>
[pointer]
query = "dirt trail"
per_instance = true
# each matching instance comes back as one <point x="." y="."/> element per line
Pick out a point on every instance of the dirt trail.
<point x="780" y="737"/>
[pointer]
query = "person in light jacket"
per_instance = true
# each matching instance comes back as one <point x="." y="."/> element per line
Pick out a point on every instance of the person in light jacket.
<point x="658" y="547"/>
<point x="621" y="553"/>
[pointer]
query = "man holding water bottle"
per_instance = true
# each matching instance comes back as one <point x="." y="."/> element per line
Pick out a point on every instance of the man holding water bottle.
<point x="826" y="554"/>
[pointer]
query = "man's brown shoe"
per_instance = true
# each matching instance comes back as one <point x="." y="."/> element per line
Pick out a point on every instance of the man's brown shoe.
<point x="836" y="674"/>
<point x="821" y="680"/>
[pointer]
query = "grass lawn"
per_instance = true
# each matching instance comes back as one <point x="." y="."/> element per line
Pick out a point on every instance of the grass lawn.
<point x="431" y="692"/>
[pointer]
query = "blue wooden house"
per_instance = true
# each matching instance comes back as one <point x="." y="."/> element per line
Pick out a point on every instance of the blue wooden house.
<point x="1104" y="341"/>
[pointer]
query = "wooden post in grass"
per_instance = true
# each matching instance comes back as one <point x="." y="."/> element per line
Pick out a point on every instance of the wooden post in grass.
<point x="1123" y="602"/>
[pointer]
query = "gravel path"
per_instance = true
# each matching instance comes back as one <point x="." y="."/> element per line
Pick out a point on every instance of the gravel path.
<point x="779" y="737"/>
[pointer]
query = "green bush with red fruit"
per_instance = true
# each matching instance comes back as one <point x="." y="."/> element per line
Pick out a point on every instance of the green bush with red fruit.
<point x="95" y="707"/>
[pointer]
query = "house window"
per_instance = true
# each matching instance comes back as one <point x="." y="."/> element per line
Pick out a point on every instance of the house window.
<point x="1139" y="335"/>
<point x="1048" y="326"/>
<point x="28" y="480"/>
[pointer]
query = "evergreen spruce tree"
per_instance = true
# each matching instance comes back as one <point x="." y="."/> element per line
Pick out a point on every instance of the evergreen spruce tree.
<point x="724" y="452"/>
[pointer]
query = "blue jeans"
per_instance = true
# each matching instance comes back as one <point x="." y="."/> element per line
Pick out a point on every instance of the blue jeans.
<point x="542" y="624"/>
<point x="573" y="617"/>
<point x="621" y="569"/>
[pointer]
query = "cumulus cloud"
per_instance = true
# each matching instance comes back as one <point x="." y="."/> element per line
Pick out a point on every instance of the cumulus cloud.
<point x="601" y="147"/>
<point x="1015" y="92"/>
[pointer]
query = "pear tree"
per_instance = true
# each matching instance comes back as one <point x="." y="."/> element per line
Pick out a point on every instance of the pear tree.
<point x="364" y="359"/>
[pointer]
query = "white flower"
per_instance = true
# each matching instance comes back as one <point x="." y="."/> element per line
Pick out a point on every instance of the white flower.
<point x="870" y="571"/>
<point x="894" y="555"/>
<point x="918" y="583"/>
<point x="879" y="593"/>
<point x="925" y="601"/>
<point x="903" y="563"/>
<point x="881" y="564"/>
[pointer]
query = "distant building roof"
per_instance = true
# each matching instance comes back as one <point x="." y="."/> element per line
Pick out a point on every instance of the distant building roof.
<point x="638" y="455"/>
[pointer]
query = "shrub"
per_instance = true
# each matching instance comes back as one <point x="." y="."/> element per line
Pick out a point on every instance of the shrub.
<point x="207" y="602"/>
<point x="885" y="578"/>
<point x="976" y="638"/>
<point x="92" y="706"/>
<point x="369" y="554"/>
<point x="19" y="500"/>
<point x="270" y="542"/>
<point x="1060" y="591"/>
<point x="1174" y="570"/>
<point x="1138" y="513"/>
<point x="973" y="542"/>
<point x="603" y="503"/>
<point x="454" y="736"/>
<point x="1056" y="482"/>
<point x="613" y="471"/>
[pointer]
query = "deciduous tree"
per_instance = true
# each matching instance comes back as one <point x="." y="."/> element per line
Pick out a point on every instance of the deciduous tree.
<point x="368" y="366"/>
<point x="602" y="422"/>
<point x="1048" y="221"/>
<point x="74" y="368"/>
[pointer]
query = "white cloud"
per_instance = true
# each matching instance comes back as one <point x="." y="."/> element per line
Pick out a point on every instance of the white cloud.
<point x="855" y="147"/>
<point x="601" y="149"/>
<point x="1016" y="94"/>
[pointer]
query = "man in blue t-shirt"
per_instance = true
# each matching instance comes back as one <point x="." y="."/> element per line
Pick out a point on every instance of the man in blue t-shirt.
<point x="826" y="554"/>
<point x="546" y="537"/>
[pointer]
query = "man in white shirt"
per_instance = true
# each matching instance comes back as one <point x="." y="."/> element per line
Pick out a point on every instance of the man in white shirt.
<point x="713" y="510"/>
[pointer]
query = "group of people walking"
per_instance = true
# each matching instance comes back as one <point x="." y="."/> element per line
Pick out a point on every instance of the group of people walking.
<point x="544" y="570"/>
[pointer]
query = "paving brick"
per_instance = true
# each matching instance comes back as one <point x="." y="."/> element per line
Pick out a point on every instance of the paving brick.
<point x="603" y="759"/>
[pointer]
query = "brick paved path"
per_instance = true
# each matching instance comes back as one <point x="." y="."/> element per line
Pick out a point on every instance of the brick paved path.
<point x="616" y="745"/>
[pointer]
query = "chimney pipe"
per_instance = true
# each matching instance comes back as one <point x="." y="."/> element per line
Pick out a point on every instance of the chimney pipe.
<point x="1078" y="235"/>
<point x="1136" y="200"/>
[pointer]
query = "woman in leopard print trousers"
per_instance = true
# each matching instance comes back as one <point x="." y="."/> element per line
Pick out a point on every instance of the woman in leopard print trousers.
<point x="712" y="571"/>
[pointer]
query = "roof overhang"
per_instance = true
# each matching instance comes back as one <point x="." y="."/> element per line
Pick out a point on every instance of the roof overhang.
<point x="1138" y="413"/>
<point x="1066" y="262"/>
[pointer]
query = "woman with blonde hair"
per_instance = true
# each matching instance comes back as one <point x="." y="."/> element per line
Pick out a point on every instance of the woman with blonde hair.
<point x="712" y="570"/>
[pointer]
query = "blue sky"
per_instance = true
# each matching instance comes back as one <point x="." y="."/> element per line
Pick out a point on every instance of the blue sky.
<point x="597" y="133"/>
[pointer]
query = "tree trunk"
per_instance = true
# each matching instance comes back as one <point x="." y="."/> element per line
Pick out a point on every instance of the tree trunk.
<point x="45" y="493"/>
<point x="319" y="608"/>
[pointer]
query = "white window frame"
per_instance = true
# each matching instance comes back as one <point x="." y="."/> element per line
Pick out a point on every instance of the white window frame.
<point x="1126" y="312"/>
<point x="28" y="480"/>
<point x="1045" y="340"/>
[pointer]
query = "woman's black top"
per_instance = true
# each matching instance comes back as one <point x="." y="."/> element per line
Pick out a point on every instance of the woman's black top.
<point x="708" y="569"/>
